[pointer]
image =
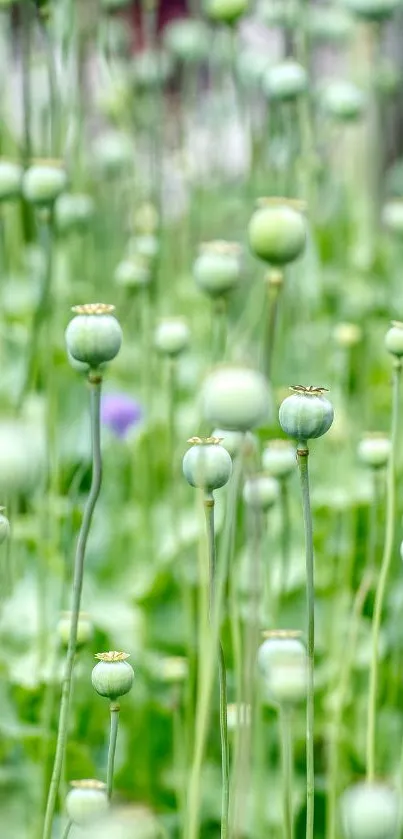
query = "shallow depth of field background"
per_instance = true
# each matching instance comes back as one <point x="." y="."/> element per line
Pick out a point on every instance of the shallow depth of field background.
<point x="171" y="132"/>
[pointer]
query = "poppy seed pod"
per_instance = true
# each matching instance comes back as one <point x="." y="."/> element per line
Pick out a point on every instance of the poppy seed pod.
<point x="4" y="526"/>
<point x="86" y="800"/>
<point x="343" y="101"/>
<point x="73" y="212"/>
<point x="84" y="629"/>
<point x="113" y="675"/>
<point x="10" y="180"/>
<point x="44" y="182"/>
<point x="230" y="440"/>
<point x="113" y="153"/>
<point x="277" y="232"/>
<point x="226" y="11"/>
<point x="279" y="458"/>
<point x="282" y="660"/>
<point x="261" y="492"/>
<point x="172" y="336"/>
<point x="187" y="39"/>
<point x="94" y="335"/>
<point x="370" y="810"/>
<point x="207" y="464"/>
<point x="236" y="398"/>
<point x="374" y="450"/>
<point x="285" y="82"/>
<point x="217" y="269"/>
<point x="394" y="339"/>
<point x="306" y="414"/>
<point x="133" y="273"/>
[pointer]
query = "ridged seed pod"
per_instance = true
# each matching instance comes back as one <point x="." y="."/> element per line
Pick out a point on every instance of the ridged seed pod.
<point x="86" y="800"/>
<point x="207" y="464"/>
<point x="94" y="336"/>
<point x="306" y="414"/>
<point x="113" y="675"/>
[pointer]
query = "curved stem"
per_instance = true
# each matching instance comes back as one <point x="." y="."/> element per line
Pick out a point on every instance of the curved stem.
<point x="287" y="759"/>
<point x="95" y="382"/>
<point x="386" y="561"/>
<point x="302" y="457"/>
<point x="114" y="709"/>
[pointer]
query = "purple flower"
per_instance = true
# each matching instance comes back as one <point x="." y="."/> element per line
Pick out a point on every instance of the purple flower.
<point x="120" y="412"/>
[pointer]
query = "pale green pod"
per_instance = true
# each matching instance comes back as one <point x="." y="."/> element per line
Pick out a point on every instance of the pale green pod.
<point x="277" y="233"/>
<point x="236" y="398"/>
<point x="394" y="339"/>
<point x="285" y="82"/>
<point x="370" y="810"/>
<point x="172" y="336"/>
<point x="217" y="269"/>
<point x="306" y="415"/>
<point x="86" y="801"/>
<point x="113" y="676"/>
<point x="282" y="660"/>
<point x="207" y="466"/>
<point x="260" y="492"/>
<point x="279" y="458"/>
<point x="43" y="183"/>
<point x="374" y="450"/>
<point x="94" y="336"/>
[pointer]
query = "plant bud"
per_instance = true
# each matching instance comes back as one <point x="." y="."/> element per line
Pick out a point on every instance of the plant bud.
<point x="285" y="82"/>
<point x="132" y="273"/>
<point x="343" y="101"/>
<point x="282" y="660"/>
<point x="330" y="24"/>
<point x="113" y="153"/>
<point x="113" y="675"/>
<point x="279" y="458"/>
<point x="394" y="339"/>
<point x="370" y="810"/>
<point x="226" y="11"/>
<point x="10" y="180"/>
<point x="277" y="233"/>
<point x="372" y="10"/>
<point x="172" y="336"/>
<point x="84" y="629"/>
<point x="236" y="398"/>
<point x="207" y="464"/>
<point x="261" y="492"/>
<point x="86" y="800"/>
<point x="94" y="336"/>
<point x="374" y="450"/>
<point x="217" y="269"/>
<point x="73" y="212"/>
<point x="306" y="414"/>
<point x="187" y="39"/>
<point x="44" y="182"/>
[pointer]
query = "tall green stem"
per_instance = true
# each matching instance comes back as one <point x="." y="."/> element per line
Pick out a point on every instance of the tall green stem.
<point x="385" y="566"/>
<point x="302" y="457"/>
<point x="287" y="760"/>
<point x="95" y="381"/>
<point x="274" y="285"/>
<point x="113" y="736"/>
<point x="285" y="535"/>
<point x="222" y="676"/>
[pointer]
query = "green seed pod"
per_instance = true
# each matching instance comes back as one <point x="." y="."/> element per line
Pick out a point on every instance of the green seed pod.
<point x="10" y="180"/>
<point x="392" y="216"/>
<point x="113" y="153"/>
<point x="207" y="464"/>
<point x="370" y="810"/>
<point x="113" y="675"/>
<point x="394" y="339"/>
<point x="279" y="458"/>
<point x="261" y="492"/>
<point x="226" y="11"/>
<point x="172" y="336"/>
<point x="4" y="526"/>
<point x="251" y="65"/>
<point x="285" y="82"/>
<point x="94" y="336"/>
<point x="84" y="629"/>
<point x="187" y="39"/>
<point x="277" y="233"/>
<point x="44" y="182"/>
<point x="73" y="212"/>
<point x="372" y="11"/>
<point x="230" y="440"/>
<point x="282" y="660"/>
<point x="330" y="24"/>
<point x="236" y="398"/>
<point x="343" y="101"/>
<point x="217" y="269"/>
<point x="132" y="273"/>
<point x="277" y="13"/>
<point x="306" y="414"/>
<point x="374" y="450"/>
<point x="86" y="800"/>
<point x="151" y="68"/>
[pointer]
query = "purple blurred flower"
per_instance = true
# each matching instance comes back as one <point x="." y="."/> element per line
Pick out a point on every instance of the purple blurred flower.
<point x="120" y="412"/>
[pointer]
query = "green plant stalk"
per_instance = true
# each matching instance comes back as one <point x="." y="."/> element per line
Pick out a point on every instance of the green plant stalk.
<point x="113" y="736"/>
<point x="373" y="519"/>
<point x="222" y="676"/>
<point x="346" y="663"/>
<point x="287" y="761"/>
<point x="383" y="577"/>
<point x="285" y="536"/>
<point x="95" y="381"/>
<point x="302" y="458"/>
<point x="273" y="292"/>
<point x="67" y="829"/>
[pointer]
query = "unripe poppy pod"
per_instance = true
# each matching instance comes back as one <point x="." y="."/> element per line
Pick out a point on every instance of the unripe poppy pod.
<point x="10" y="180"/>
<point x="370" y="810"/>
<point x="86" y="800"/>
<point x="187" y="39"/>
<point x="73" y="211"/>
<point x="84" y="629"/>
<point x="207" y="464"/>
<point x="260" y="492"/>
<point x="94" y="336"/>
<point x="44" y="182"/>
<point x="217" y="269"/>
<point x="394" y="339"/>
<point x="374" y="450"/>
<point x="277" y="232"/>
<point x="113" y="675"/>
<point x="226" y="11"/>
<point x="279" y="458"/>
<point x="282" y="660"/>
<point x="306" y="414"/>
<point x="236" y="398"/>
<point x="286" y="81"/>
<point x="343" y="101"/>
<point x="172" y="336"/>
<point x="392" y="216"/>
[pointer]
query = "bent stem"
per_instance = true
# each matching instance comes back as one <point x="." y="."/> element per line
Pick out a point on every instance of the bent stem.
<point x="113" y="736"/>
<point x="222" y="676"/>
<point x="287" y="760"/>
<point x="95" y="381"/>
<point x="302" y="458"/>
<point x="385" y="566"/>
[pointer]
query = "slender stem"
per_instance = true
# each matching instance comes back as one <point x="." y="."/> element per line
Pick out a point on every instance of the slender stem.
<point x="114" y="709"/>
<point x="377" y="475"/>
<point x="67" y="829"/>
<point x="285" y="535"/>
<point x="209" y="511"/>
<point x="287" y="759"/>
<point x="26" y="42"/>
<point x="95" y="382"/>
<point x="302" y="457"/>
<point x="274" y="281"/>
<point x="385" y="566"/>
